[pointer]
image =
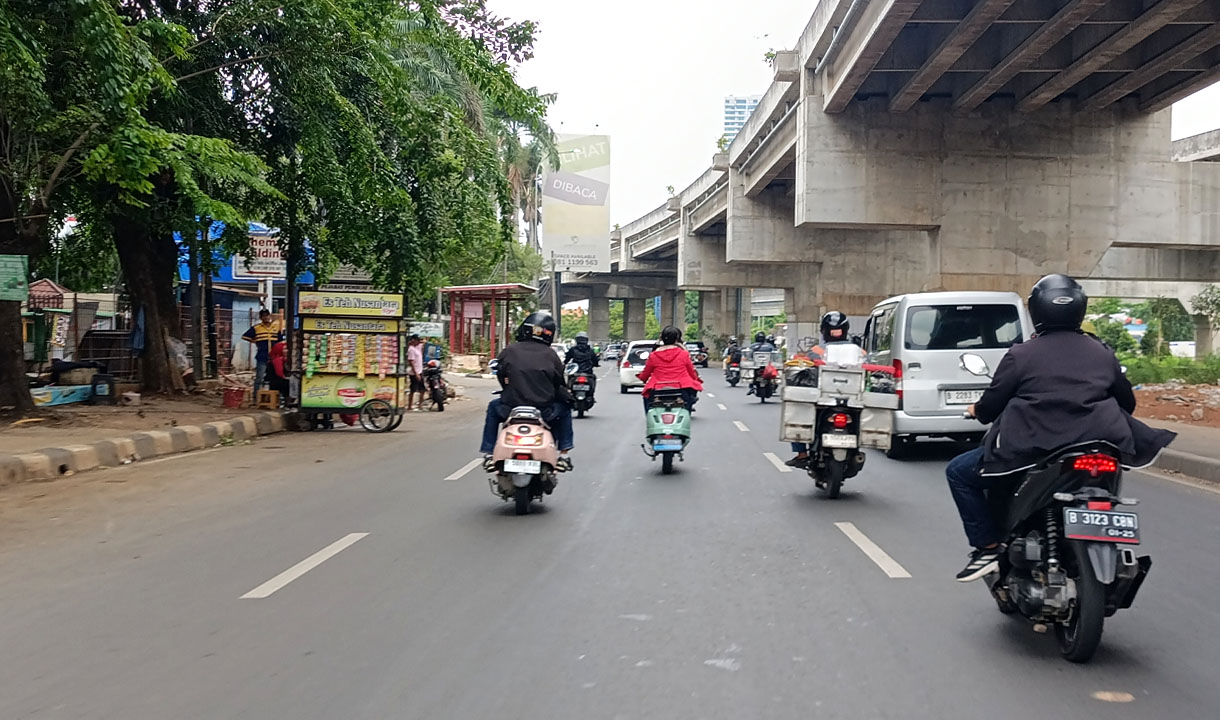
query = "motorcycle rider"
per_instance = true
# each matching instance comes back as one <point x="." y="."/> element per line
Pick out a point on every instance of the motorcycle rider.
<point x="761" y="344"/>
<point x="835" y="328"/>
<point x="670" y="366"/>
<point x="1038" y="402"/>
<point x="585" y="358"/>
<point x="732" y="354"/>
<point x="530" y="373"/>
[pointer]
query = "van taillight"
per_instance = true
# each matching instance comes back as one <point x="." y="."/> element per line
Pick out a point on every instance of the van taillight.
<point x="626" y="363"/>
<point x="898" y="381"/>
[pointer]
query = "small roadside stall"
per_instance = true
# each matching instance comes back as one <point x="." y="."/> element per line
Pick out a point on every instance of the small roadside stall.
<point x="479" y="316"/>
<point x="352" y="358"/>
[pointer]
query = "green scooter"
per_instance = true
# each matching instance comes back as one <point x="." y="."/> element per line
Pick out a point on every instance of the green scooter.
<point x="668" y="428"/>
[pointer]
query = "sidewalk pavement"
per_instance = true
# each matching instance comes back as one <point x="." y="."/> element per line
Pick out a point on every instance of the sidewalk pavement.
<point x="101" y="447"/>
<point x="1195" y="452"/>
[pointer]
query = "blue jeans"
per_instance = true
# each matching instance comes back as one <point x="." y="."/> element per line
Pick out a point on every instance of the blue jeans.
<point x="690" y="396"/>
<point x="969" y="489"/>
<point x="559" y="418"/>
<point x="800" y="447"/>
<point x="260" y="374"/>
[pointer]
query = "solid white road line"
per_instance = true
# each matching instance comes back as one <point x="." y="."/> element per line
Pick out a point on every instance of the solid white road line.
<point x="167" y="458"/>
<point x="711" y="395"/>
<point x="309" y="563"/>
<point x="721" y="406"/>
<point x="779" y="464"/>
<point x="461" y="472"/>
<point x="887" y="564"/>
<point x="741" y="426"/>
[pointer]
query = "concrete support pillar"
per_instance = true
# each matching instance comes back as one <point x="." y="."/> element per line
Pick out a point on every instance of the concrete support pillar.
<point x="710" y="313"/>
<point x="668" y="312"/>
<point x="1205" y="336"/>
<point x="599" y="318"/>
<point x="633" y="319"/>
<point x="804" y="311"/>
<point x="737" y="312"/>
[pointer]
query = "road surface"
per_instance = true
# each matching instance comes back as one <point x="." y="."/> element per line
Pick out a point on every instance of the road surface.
<point x="346" y="575"/>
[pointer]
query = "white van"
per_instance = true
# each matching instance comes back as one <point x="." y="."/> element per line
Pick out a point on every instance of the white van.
<point x="923" y="336"/>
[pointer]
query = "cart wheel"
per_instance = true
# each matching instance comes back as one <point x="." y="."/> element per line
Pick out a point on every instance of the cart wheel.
<point x="398" y="416"/>
<point x="377" y="416"/>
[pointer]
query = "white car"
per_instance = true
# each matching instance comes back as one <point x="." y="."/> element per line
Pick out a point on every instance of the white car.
<point x="633" y="362"/>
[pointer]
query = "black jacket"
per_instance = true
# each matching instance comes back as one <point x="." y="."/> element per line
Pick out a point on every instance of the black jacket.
<point x="733" y="353"/>
<point x="531" y="374"/>
<point x="1058" y="389"/>
<point x="583" y="356"/>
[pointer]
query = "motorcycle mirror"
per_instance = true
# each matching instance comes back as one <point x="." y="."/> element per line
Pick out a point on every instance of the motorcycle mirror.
<point x="975" y="365"/>
<point x="857" y="340"/>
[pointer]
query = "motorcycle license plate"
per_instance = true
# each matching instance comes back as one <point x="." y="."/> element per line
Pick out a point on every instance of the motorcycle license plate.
<point x="667" y="446"/>
<point x="834" y="440"/>
<point x="529" y="467"/>
<point x="1101" y="525"/>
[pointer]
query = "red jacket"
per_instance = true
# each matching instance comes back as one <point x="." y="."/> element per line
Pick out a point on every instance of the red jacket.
<point x="669" y="366"/>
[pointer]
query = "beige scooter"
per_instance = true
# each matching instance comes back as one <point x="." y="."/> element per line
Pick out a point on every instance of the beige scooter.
<point x="525" y="460"/>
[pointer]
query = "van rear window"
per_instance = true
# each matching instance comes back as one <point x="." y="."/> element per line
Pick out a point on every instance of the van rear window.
<point x="962" y="327"/>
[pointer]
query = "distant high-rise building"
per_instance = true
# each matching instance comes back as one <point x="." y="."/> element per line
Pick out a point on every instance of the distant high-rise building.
<point x="737" y="109"/>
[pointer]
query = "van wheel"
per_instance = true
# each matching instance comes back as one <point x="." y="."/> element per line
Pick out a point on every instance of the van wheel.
<point x="900" y="447"/>
<point x="622" y="389"/>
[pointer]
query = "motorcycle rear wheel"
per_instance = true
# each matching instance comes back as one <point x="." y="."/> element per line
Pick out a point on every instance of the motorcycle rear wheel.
<point x="833" y="478"/>
<point x="522" y="499"/>
<point x="438" y="399"/>
<point x="580" y="412"/>
<point x="667" y="463"/>
<point x="1081" y="634"/>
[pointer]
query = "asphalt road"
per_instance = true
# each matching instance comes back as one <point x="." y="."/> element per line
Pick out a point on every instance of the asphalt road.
<point x="728" y="590"/>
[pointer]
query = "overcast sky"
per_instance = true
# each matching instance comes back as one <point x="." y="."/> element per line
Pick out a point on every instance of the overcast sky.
<point x="653" y="76"/>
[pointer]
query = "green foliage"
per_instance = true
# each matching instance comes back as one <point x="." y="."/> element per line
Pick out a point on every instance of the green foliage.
<point x="1170" y="317"/>
<point x="1104" y="306"/>
<point x="1151" y="344"/>
<point x="1207" y="302"/>
<point x="1113" y="334"/>
<point x="652" y="326"/>
<point x="616" y="320"/>
<point x="84" y="261"/>
<point x="1163" y="369"/>
<point x="722" y="143"/>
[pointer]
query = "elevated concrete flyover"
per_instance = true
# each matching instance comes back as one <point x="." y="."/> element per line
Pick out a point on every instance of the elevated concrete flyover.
<point x="1094" y="53"/>
<point x="1204" y="147"/>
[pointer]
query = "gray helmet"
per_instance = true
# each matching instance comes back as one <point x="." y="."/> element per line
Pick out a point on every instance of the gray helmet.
<point x="582" y="338"/>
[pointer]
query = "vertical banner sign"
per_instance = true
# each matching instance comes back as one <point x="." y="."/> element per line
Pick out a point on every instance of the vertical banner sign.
<point x="576" y="205"/>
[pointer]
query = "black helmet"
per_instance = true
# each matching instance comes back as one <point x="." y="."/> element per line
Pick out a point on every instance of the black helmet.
<point x="835" y="327"/>
<point x="732" y="339"/>
<point x="1057" y="302"/>
<point x="760" y="337"/>
<point x="538" y="326"/>
<point x="582" y="338"/>
<point x="771" y="339"/>
<point x="671" y="335"/>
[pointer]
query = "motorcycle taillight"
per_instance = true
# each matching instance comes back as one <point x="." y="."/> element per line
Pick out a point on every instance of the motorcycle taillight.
<point x="524" y="440"/>
<point x="840" y="421"/>
<point x="1095" y="464"/>
<point x="582" y="380"/>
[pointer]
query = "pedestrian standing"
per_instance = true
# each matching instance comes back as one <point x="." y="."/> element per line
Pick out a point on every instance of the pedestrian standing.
<point x="415" y="366"/>
<point x="265" y="334"/>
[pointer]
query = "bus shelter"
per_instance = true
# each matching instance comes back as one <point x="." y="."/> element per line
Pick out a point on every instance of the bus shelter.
<point x="479" y="315"/>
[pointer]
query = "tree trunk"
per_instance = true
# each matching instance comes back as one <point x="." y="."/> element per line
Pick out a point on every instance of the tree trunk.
<point x="149" y="261"/>
<point x="16" y="238"/>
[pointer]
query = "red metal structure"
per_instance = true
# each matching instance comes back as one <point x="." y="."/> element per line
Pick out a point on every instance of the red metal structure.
<point x="482" y="311"/>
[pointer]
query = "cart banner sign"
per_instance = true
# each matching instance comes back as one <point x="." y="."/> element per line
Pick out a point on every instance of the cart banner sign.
<point x="14" y="277"/>
<point x="264" y="261"/>
<point x="576" y="205"/>
<point x="348" y="391"/>
<point x="427" y="329"/>
<point x="350" y="325"/>
<point x="322" y="302"/>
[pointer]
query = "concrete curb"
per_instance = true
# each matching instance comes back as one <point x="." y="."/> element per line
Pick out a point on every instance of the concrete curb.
<point x="52" y="463"/>
<point x="1195" y="466"/>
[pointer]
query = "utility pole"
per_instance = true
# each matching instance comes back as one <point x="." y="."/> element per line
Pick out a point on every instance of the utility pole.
<point x="555" y="296"/>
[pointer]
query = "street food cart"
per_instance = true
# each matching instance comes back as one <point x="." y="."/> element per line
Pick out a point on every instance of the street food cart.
<point x="353" y="357"/>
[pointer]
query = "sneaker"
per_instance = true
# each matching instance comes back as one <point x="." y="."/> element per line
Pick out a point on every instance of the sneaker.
<point x="982" y="562"/>
<point x="564" y="464"/>
<point x="489" y="463"/>
<point x="798" y="462"/>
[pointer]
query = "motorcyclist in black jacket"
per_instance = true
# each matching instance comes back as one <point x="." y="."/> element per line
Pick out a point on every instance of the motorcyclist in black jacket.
<point x="585" y="357"/>
<point x="1060" y="388"/>
<point x="530" y="373"/>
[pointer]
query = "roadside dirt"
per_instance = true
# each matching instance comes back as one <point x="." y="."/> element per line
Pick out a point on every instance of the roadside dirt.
<point x="1190" y="404"/>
